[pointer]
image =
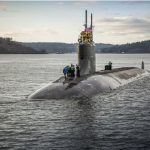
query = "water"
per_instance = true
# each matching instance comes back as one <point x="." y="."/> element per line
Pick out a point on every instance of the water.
<point x="116" y="120"/>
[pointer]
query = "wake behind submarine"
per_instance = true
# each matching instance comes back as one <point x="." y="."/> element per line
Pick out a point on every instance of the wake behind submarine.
<point x="91" y="82"/>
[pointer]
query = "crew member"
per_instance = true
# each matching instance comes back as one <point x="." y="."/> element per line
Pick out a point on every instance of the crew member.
<point x="110" y="65"/>
<point x="69" y="72"/>
<point x="77" y="71"/>
<point x="72" y="71"/>
<point x="65" y="71"/>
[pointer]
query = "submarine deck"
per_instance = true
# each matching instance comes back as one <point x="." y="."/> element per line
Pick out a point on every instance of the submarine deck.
<point x="87" y="85"/>
<point x="74" y="81"/>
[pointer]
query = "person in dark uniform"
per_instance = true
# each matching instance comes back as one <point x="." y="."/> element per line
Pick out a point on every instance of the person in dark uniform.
<point x="69" y="72"/>
<point x="110" y="65"/>
<point x="77" y="71"/>
<point x="72" y="71"/>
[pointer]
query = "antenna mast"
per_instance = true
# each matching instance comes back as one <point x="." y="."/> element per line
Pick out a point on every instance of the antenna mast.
<point x="85" y="19"/>
<point x="91" y="21"/>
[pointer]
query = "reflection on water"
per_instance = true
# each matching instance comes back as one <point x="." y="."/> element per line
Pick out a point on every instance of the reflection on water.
<point x="116" y="120"/>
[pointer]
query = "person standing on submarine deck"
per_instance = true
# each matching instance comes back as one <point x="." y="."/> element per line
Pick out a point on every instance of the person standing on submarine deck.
<point x="77" y="71"/>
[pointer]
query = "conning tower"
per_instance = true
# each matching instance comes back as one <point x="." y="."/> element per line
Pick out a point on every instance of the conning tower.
<point x="86" y="49"/>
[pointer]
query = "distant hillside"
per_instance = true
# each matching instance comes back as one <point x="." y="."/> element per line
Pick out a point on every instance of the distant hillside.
<point x="52" y="47"/>
<point x="7" y="46"/>
<point x="61" y="47"/>
<point x="11" y="47"/>
<point x="100" y="46"/>
<point x="138" y="47"/>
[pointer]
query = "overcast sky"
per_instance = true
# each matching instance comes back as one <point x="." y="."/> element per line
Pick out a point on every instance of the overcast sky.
<point x="114" y="22"/>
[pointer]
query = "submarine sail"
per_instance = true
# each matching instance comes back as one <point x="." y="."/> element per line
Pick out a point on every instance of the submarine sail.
<point x="86" y="49"/>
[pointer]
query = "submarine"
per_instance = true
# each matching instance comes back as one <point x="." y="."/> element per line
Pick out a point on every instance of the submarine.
<point x="90" y="82"/>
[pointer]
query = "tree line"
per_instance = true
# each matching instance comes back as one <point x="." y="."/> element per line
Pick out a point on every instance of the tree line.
<point x="137" y="47"/>
<point x="8" y="46"/>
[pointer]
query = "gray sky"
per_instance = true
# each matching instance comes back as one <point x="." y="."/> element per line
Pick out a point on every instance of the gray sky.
<point x="114" y="22"/>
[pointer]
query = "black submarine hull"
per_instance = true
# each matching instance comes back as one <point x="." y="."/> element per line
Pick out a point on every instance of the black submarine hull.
<point x="88" y="85"/>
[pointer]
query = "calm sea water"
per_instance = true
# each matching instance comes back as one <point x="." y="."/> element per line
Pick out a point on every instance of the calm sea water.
<point x="108" y="121"/>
